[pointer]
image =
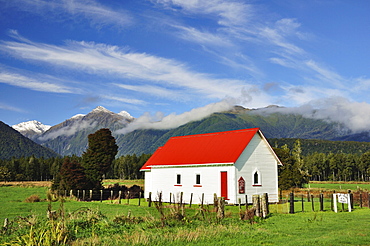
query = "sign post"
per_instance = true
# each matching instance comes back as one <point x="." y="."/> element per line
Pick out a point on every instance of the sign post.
<point x="342" y="198"/>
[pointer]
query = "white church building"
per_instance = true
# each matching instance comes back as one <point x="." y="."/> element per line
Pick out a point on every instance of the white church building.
<point x="230" y="164"/>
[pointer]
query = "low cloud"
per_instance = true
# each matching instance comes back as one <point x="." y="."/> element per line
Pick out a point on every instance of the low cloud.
<point x="159" y="121"/>
<point x="353" y="115"/>
<point x="67" y="130"/>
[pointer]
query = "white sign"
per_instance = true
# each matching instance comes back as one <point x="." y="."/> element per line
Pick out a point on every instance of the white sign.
<point x="342" y="198"/>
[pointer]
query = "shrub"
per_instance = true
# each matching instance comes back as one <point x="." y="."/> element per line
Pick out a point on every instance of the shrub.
<point x="33" y="198"/>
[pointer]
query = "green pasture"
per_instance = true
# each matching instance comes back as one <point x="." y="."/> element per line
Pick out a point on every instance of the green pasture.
<point x="118" y="224"/>
<point x="339" y="186"/>
<point x="111" y="223"/>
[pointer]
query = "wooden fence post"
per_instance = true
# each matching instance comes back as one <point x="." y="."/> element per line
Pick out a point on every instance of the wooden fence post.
<point x="302" y="204"/>
<point x="308" y="196"/>
<point x="321" y="202"/>
<point x="191" y="199"/>
<point x="246" y="202"/>
<point x="78" y="194"/>
<point x="139" y="198"/>
<point x="91" y="193"/>
<point x="221" y="208"/>
<point x="351" y="198"/>
<point x="313" y="204"/>
<point x="101" y="195"/>
<point x="128" y="197"/>
<point x="256" y="205"/>
<point x="111" y="196"/>
<point x="202" y="200"/>
<point x="150" y="199"/>
<point x="170" y="198"/>
<point x="119" y="196"/>
<point x="240" y="203"/>
<point x="291" y="200"/>
<point x="360" y="199"/>
<point x="160" y="199"/>
<point x="83" y="195"/>
<point x="265" y="205"/>
<point x="181" y="203"/>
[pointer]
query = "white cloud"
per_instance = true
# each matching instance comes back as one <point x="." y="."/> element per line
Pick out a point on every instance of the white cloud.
<point x="158" y="121"/>
<point x="44" y="84"/>
<point x="68" y="130"/>
<point x="229" y="13"/>
<point x="97" y="14"/>
<point x="124" y="100"/>
<point x="353" y="115"/>
<point x="4" y="106"/>
<point x="202" y="37"/>
<point x="109" y="60"/>
<point x="153" y="90"/>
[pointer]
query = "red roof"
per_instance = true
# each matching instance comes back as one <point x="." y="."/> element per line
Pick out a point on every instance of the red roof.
<point x="210" y="148"/>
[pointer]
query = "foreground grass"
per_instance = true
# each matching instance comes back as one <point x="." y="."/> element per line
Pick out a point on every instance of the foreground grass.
<point x="110" y="223"/>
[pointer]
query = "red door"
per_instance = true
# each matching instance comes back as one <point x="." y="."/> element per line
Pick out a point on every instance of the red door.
<point x="224" y="185"/>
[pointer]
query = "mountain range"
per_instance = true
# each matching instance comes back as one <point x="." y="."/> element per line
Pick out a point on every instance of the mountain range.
<point x="70" y="136"/>
<point x="14" y="144"/>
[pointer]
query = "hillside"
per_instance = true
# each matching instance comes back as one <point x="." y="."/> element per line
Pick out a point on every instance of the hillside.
<point x="273" y="126"/>
<point x="14" y="144"/>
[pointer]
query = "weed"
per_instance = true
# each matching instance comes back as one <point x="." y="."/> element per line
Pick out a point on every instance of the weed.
<point x="33" y="198"/>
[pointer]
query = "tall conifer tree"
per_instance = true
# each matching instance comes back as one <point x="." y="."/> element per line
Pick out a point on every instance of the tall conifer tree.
<point x="99" y="156"/>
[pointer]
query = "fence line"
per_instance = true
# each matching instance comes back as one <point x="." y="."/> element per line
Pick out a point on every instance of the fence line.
<point x="289" y="205"/>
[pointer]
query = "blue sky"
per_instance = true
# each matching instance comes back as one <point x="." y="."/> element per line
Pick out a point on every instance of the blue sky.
<point x="61" y="58"/>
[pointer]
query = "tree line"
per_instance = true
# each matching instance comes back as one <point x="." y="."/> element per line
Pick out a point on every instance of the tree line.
<point x="298" y="169"/>
<point x="41" y="169"/>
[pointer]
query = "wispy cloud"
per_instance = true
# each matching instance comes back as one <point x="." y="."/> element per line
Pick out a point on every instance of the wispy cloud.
<point x="202" y="37"/>
<point x="124" y="99"/>
<point x="152" y="90"/>
<point x="120" y="62"/>
<point x="36" y="83"/>
<point x="228" y="13"/>
<point x="4" y="106"/>
<point x="97" y="14"/>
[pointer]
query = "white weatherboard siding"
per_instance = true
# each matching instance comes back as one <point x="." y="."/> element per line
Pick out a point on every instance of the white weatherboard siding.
<point x="257" y="157"/>
<point x="164" y="180"/>
<point x="147" y="183"/>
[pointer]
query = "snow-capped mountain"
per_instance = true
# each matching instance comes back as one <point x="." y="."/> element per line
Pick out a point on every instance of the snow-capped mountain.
<point x="31" y="128"/>
<point x="70" y="136"/>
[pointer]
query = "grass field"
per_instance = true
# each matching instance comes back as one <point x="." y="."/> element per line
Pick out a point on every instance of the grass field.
<point x="110" y="223"/>
<point x="339" y="186"/>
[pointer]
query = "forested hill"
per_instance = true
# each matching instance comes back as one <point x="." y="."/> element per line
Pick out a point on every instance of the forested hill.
<point x="310" y="146"/>
<point x="14" y="144"/>
<point x="274" y="126"/>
